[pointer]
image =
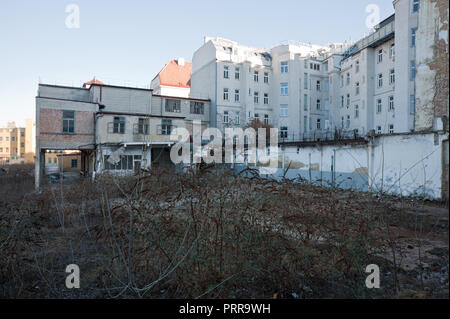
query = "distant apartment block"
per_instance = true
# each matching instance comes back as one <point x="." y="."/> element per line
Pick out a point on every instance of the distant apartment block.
<point x="16" y="143"/>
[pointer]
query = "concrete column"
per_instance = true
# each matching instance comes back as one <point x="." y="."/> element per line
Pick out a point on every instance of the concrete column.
<point x="39" y="168"/>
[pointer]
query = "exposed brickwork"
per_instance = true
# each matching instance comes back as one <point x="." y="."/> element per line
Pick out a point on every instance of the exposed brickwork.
<point x="440" y="63"/>
<point x="51" y="130"/>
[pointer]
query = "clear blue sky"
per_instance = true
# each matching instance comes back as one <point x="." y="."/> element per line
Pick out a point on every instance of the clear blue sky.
<point x="132" y="40"/>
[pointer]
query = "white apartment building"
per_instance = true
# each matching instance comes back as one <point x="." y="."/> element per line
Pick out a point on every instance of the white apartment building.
<point x="349" y="89"/>
<point x="285" y="87"/>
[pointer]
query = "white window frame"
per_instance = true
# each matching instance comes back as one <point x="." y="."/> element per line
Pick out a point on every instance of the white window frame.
<point x="284" y="110"/>
<point x="284" y="89"/>
<point x="391" y="103"/>
<point x="226" y="96"/>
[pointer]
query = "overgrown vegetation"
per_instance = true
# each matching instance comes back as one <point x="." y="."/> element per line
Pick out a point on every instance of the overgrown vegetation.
<point x="210" y="234"/>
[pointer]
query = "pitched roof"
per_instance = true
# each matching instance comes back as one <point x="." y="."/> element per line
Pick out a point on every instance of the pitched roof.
<point x="93" y="81"/>
<point x="176" y="75"/>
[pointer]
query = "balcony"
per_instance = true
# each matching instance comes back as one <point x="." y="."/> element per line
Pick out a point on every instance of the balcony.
<point x="382" y="34"/>
<point x="320" y="136"/>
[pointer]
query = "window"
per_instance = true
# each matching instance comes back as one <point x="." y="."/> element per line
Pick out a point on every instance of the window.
<point x="266" y="119"/>
<point x="413" y="70"/>
<point x="342" y="80"/>
<point x="237" y="117"/>
<point x="236" y="95"/>
<point x="284" y="67"/>
<point x="74" y="163"/>
<point x="256" y="76"/>
<point x="348" y="79"/>
<point x="392" y="76"/>
<point x="283" y="132"/>
<point x="379" y="106"/>
<point x="357" y="67"/>
<point x="142" y="126"/>
<point x="327" y="86"/>
<point x="68" y="122"/>
<point x="173" y="106"/>
<point x="305" y="124"/>
<point x="13" y="138"/>
<point x="166" y="127"/>
<point x="266" y="98"/>
<point x="7" y="138"/>
<point x="391" y="103"/>
<point x="380" y="80"/>
<point x="125" y="162"/>
<point x="284" y="110"/>
<point x="348" y="121"/>
<point x="225" y="72"/>
<point x="342" y="101"/>
<point x="225" y="94"/>
<point x="49" y="160"/>
<point x="305" y="102"/>
<point x="380" y="56"/>
<point x="226" y="118"/>
<point x="237" y="73"/>
<point x="318" y="126"/>
<point x="22" y="134"/>
<point x="305" y="80"/>
<point x="318" y="104"/>
<point x="266" y="77"/>
<point x="7" y="150"/>
<point x="415" y="6"/>
<point x="391" y="128"/>
<point x="348" y="101"/>
<point x="197" y="107"/>
<point x="257" y="116"/>
<point x="119" y="125"/>
<point x="22" y="144"/>
<point x="1" y="138"/>
<point x="413" y="37"/>
<point x="256" y="97"/>
<point x="318" y="85"/>
<point x="379" y="130"/>
<point x="356" y="111"/>
<point x="412" y="104"/>
<point x="357" y="88"/>
<point x="392" y="51"/>
<point x="284" y="89"/>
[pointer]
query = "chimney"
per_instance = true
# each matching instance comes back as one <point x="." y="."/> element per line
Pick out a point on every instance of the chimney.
<point x="181" y="61"/>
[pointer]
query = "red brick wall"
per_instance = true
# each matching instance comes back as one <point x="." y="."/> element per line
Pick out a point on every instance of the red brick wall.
<point x="51" y="131"/>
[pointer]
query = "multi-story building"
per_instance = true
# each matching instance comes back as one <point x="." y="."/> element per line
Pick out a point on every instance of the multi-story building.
<point x="115" y="128"/>
<point x="393" y="81"/>
<point x="16" y="143"/>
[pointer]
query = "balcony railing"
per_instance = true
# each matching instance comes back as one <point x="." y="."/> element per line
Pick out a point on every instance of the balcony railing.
<point x="316" y="136"/>
<point x="381" y="33"/>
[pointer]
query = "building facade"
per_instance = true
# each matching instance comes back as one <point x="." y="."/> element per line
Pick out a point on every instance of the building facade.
<point x="16" y="144"/>
<point x="393" y="81"/>
<point x="116" y="129"/>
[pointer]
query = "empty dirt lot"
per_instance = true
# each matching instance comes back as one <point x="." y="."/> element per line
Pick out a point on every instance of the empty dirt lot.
<point x="210" y="234"/>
